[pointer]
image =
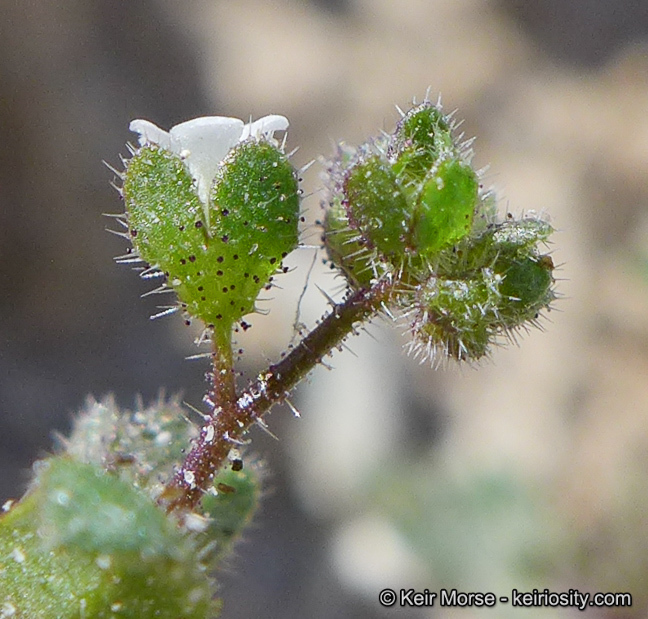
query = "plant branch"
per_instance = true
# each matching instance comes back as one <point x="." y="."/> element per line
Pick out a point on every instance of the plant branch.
<point x="230" y="423"/>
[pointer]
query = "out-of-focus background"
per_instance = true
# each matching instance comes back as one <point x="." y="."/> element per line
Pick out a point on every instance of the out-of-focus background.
<point x="527" y="472"/>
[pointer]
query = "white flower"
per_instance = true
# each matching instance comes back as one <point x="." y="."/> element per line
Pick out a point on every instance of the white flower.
<point x="204" y="142"/>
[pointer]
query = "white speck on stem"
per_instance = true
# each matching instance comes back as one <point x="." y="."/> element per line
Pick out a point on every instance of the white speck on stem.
<point x="245" y="400"/>
<point x="190" y="479"/>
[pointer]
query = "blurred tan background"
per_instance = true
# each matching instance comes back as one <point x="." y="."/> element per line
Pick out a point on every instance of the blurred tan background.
<point x="527" y="472"/>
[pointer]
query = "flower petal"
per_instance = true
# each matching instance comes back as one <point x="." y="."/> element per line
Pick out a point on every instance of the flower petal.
<point x="265" y="126"/>
<point x="203" y="143"/>
<point x="150" y="133"/>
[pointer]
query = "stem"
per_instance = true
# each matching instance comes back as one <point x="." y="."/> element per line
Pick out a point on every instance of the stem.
<point x="230" y="423"/>
<point x="223" y="389"/>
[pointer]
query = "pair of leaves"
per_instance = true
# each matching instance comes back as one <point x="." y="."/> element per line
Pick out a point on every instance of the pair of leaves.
<point x="216" y="256"/>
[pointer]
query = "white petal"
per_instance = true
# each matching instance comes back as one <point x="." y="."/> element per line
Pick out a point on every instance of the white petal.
<point x="203" y="143"/>
<point x="265" y="126"/>
<point x="150" y="133"/>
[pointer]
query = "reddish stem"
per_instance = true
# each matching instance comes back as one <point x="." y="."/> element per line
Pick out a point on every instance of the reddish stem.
<point x="233" y="417"/>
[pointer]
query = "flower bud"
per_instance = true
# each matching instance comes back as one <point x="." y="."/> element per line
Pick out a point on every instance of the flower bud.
<point x="422" y="136"/>
<point x="409" y="209"/>
<point x="85" y="543"/>
<point x="406" y="199"/>
<point x="494" y="287"/>
<point x="376" y="206"/>
<point x="525" y="289"/>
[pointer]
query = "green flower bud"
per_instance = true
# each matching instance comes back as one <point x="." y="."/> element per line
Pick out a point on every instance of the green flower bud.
<point x="526" y="289"/>
<point x="456" y="318"/>
<point x="89" y="536"/>
<point x="410" y="210"/>
<point x="407" y="199"/>
<point x="142" y="447"/>
<point x="83" y="543"/>
<point x="463" y="318"/>
<point x="500" y="243"/>
<point x="422" y="136"/>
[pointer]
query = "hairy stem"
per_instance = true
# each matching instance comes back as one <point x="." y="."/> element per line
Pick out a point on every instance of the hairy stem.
<point x="223" y="386"/>
<point x="230" y="423"/>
